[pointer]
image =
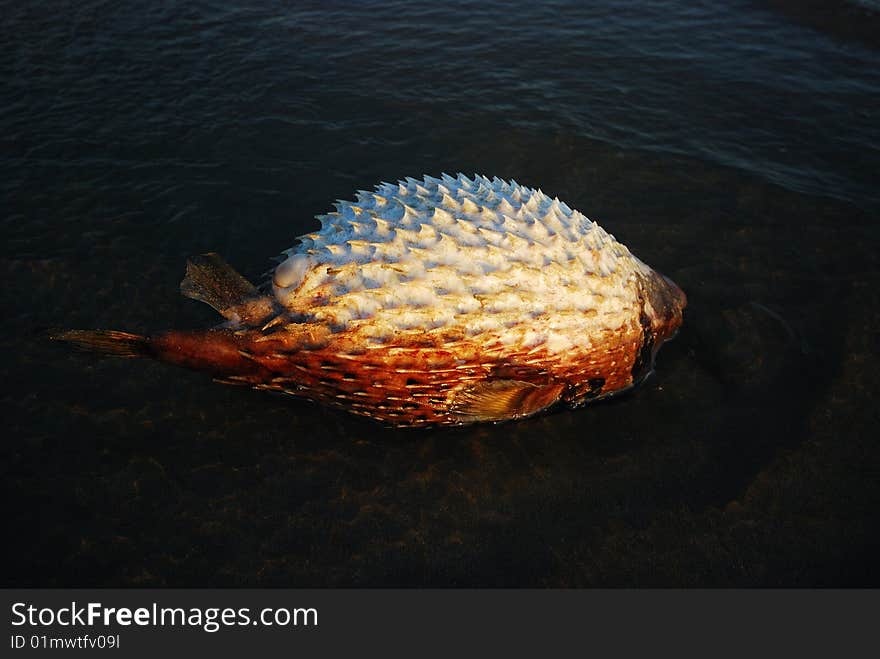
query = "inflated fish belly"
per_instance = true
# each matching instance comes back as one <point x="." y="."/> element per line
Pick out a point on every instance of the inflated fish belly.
<point x="432" y="302"/>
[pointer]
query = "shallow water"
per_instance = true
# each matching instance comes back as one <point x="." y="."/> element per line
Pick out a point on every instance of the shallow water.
<point x="734" y="149"/>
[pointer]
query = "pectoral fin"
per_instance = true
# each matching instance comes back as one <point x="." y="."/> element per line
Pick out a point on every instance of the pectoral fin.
<point x="500" y="400"/>
<point x="213" y="281"/>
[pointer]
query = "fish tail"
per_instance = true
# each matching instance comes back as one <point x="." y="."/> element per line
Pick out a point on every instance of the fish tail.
<point x="106" y="342"/>
<point x="219" y="352"/>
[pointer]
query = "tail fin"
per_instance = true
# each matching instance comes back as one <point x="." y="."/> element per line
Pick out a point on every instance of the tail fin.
<point x="106" y="342"/>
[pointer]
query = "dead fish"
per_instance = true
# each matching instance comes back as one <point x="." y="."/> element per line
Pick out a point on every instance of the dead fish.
<point x="440" y="301"/>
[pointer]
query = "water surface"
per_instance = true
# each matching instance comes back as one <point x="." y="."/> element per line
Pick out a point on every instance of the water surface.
<point x="734" y="148"/>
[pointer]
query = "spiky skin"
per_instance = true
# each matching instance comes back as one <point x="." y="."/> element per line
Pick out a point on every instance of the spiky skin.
<point x="414" y="294"/>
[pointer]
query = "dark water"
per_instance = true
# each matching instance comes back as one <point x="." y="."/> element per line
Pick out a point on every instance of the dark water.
<point x="735" y="148"/>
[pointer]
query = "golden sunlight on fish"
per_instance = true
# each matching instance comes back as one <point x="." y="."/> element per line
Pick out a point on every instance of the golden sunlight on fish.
<point x="440" y="301"/>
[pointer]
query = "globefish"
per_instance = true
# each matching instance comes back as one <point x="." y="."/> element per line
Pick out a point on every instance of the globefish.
<point x="440" y="301"/>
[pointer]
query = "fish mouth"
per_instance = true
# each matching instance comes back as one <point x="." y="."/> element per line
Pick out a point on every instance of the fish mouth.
<point x="679" y="295"/>
<point x="660" y="316"/>
<point x="664" y="303"/>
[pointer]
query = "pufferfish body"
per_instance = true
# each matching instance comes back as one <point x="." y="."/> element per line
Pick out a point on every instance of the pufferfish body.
<point x="440" y="301"/>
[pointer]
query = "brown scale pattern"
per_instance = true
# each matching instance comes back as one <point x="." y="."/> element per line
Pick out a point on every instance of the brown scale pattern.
<point x="414" y="384"/>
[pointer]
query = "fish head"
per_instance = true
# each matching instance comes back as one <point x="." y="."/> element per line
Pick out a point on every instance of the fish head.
<point x="663" y="304"/>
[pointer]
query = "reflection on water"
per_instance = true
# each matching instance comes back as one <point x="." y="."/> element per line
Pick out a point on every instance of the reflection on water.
<point x="746" y="459"/>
